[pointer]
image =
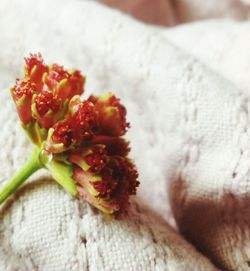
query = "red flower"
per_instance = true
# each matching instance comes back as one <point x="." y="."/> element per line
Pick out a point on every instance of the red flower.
<point x="103" y="180"/>
<point x="22" y="94"/>
<point x="78" y="126"/>
<point x="83" y="121"/>
<point x="59" y="137"/>
<point x="117" y="146"/>
<point x="65" y="84"/>
<point x="80" y="142"/>
<point x="111" y="115"/>
<point x="47" y="109"/>
<point x="91" y="158"/>
<point x="35" y="70"/>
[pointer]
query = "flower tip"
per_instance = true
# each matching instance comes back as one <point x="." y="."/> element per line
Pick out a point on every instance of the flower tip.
<point x="22" y="93"/>
<point x="111" y="186"/>
<point x="111" y="114"/>
<point x="34" y="60"/>
<point x="46" y="108"/>
<point x="66" y="83"/>
<point x="59" y="137"/>
<point x="35" y="69"/>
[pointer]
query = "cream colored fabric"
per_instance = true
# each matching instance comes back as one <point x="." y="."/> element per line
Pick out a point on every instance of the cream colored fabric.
<point x="189" y="137"/>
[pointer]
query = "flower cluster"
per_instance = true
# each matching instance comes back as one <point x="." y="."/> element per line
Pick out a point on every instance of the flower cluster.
<point x="85" y="136"/>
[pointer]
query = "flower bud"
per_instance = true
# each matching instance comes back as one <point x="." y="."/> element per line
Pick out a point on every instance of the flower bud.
<point x="59" y="137"/>
<point x="47" y="109"/>
<point x="35" y="69"/>
<point x="111" y="114"/>
<point x="104" y="181"/>
<point x="22" y="94"/>
<point x="83" y="121"/>
<point x="65" y="84"/>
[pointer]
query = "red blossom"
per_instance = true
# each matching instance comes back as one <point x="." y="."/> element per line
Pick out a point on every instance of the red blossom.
<point x="35" y="69"/>
<point x="46" y="101"/>
<point x="113" y="184"/>
<point x="113" y="145"/>
<point x="47" y="109"/>
<point x="64" y="83"/>
<point x="89" y="158"/>
<point x="125" y="172"/>
<point x="55" y="75"/>
<point x="59" y="138"/>
<point x="77" y="82"/>
<point x="111" y="115"/>
<point x="62" y="133"/>
<point x="83" y="121"/>
<point x="22" y="93"/>
<point x="88" y="134"/>
<point x="96" y="159"/>
<point x="23" y="88"/>
<point x="107" y="185"/>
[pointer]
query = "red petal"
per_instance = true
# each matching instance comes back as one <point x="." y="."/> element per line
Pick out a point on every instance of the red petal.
<point x="22" y="94"/>
<point x="83" y="121"/>
<point x="35" y="69"/>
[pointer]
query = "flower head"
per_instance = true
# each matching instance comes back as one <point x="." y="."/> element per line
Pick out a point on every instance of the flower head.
<point x="43" y="95"/>
<point x="111" y="114"/>
<point x="35" y="69"/>
<point x="110" y="186"/>
<point x="65" y="84"/>
<point x="91" y="158"/>
<point x="84" y="120"/>
<point x="81" y="141"/>
<point x="47" y="108"/>
<point x="22" y="94"/>
<point x="59" y="137"/>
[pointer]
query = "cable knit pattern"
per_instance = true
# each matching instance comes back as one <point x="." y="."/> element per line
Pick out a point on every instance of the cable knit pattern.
<point x="189" y="137"/>
<point x="221" y="45"/>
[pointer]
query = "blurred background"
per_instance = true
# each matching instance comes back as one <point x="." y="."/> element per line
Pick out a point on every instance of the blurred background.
<point x="173" y="12"/>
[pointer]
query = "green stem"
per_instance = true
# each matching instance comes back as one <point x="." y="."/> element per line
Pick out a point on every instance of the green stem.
<point x="31" y="166"/>
<point x="62" y="174"/>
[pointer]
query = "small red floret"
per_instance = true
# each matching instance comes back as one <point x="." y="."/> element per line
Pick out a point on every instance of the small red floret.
<point x="114" y="101"/>
<point x="107" y="185"/>
<point x="77" y="81"/>
<point x="46" y="101"/>
<point x="62" y="133"/>
<point x="84" y="120"/>
<point x="34" y="60"/>
<point x="35" y="70"/>
<point x="111" y="115"/>
<point x="23" y="88"/>
<point x="96" y="160"/>
<point x="56" y="74"/>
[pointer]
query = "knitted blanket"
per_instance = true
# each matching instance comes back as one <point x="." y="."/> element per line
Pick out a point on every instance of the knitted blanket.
<point x="190" y="138"/>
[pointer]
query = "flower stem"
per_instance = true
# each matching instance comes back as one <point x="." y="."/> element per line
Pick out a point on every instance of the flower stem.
<point x="31" y="166"/>
<point x="62" y="174"/>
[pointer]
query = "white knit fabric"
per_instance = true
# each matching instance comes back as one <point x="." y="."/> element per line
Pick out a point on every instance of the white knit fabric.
<point x="221" y="45"/>
<point x="189" y="133"/>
